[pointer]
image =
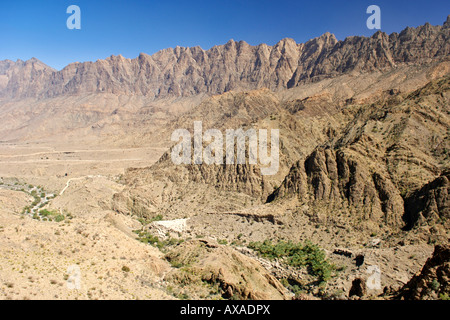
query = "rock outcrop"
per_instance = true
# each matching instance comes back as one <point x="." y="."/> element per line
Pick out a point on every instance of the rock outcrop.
<point x="331" y="177"/>
<point x="433" y="282"/>
<point x="430" y="203"/>
<point x="233" y="274"/>
<point x="24" y="79"/>
<point x="388" y="164"/>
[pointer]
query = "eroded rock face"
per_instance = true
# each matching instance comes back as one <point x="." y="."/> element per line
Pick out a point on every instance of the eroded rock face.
<point x="378" y="169"/>
<point x="433" y="280"/>
<point x="233" y="66"/>
<point x="331" y="177"/>
<point x="294" y="183"/>
<point x="429" y="203"/>
<point x="243" y="178"/>
<point x="24" y="78"/>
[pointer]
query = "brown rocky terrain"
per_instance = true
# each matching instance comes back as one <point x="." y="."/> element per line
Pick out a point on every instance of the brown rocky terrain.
<point x="233" y="66"/>
<point x="360" y="183"/>
<point x="359" y="171"/>
<point x="106" y="99"/>
<point x="207" y="263"/>
<point x="36" y="256"/>
<point x="430" y="203"/>
<point x="363" y="178"/>
<point x="363" y="168"/>
<point x="433" y="280"/>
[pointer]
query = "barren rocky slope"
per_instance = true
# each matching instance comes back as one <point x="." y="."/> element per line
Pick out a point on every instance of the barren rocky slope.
<point x="388" y="151"/>
<point x="380" y="171"/>
<point x="377" y="157"/>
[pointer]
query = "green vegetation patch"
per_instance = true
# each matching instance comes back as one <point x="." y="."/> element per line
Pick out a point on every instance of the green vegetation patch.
<point x="298" y="255"/>
<point x="145" y="221"/>
<point x="46" y="215"/>
<point x="148" y="238"/>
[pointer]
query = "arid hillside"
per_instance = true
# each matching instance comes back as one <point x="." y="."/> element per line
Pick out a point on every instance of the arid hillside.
<point x="361" y="190"/>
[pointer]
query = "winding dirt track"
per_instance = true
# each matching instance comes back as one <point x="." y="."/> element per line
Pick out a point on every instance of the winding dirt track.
<point x="75" y="179"/>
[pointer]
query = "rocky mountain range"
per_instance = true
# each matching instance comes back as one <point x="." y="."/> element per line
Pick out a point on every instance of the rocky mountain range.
<point x="183" y="72"/>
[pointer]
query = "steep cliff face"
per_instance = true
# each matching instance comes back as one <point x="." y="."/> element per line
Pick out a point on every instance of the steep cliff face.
<point x="233" y="66"/>
<point x="24" y="79"/>
<point x="431" y="203"/>
<point x="332" y="178"/>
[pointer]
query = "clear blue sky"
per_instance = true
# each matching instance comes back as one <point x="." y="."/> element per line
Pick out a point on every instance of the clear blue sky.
<point x="38" y="28"/>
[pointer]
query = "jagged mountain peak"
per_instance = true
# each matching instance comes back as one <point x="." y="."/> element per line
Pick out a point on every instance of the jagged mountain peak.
<point x="36" y="62"/>
<point x="328" y="37"/>
<point x="285" y="41"/>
